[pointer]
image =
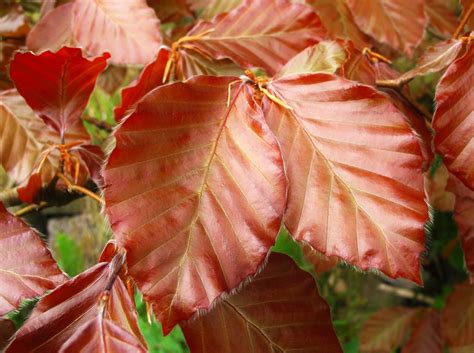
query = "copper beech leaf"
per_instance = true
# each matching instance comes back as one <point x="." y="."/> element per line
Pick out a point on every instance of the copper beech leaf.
<point x="27" y="268"/>
<point x="441" y="17"/>
<point x="263" y="33"/>
<point x="397" y="23"/>
<point x="129" y="30"/>
<point x="387" y="329"/>
<point x="104" y="336"/>
<point x="453" y="120"/>
<point x="458" y="319"/>
<point x="426" y="335"/>
<point x="463" y="215"/>
<point x="53" y="30"/>
<point x="280" y="310"/>
<point x="63" y="312"/>
<point x="57" y="85"/>
<point x="150" y="78"/>
<point x="7" y="329"/>
<point x="326" y="56"/>
<point x="354" y="171"/>
<point x="212" y="179"/>
<point x="338" y="21"/>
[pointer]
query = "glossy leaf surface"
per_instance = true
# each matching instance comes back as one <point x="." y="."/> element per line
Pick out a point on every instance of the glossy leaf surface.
<point x="458" y="319"/>
<point x="212" y="180"/>
<point x="386" y="329"/>
<point x="129" y="30"/>
<point x="61" y="313"/>
<point x="27" y="268"/>
<point x="264" y="33"/>
<point x="323" y="57"/>
<point x="354" y="170"/>
<point x="453" y="120"/>
<point x="280" y="310"/>
<point x="426" y="335"/>
<point x="56" y="86"/>
<point x="104" y="336"/>
<point x="400" y="23"/>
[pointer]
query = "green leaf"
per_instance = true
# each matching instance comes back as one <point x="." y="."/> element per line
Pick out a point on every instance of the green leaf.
<point x="69" y="255"/>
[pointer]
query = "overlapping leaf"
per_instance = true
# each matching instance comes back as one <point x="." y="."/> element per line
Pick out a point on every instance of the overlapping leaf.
<point x="61" y="313"/>
<point x="354" y="170"/>
<point x="441" y="17"/>
<point x="27" y="268"/>
<point x="453" y="120"/>
<point x="129" y="30"/>
<point x="280" y="310"/>
<point x="56" y="86"/>
<point x="463" y="214"/>
<point x="426" y="336"/>
<point x="211" y="177"/>
<point x="325" y="56"/>
<point x="102" y="335"/>
<point x="7" y="329"/>
<point x="338" y="20"/>
<point x="399" y="23"/>
<point x="387" y="329"/>
<point x="53" y="30"/>
<point x="458" y="319"/>
<point x="264" y="33"/>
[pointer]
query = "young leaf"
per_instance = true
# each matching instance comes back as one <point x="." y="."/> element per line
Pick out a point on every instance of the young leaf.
<point x="338" y="21"/>
<point x="387" y="329"/>
<point x="57" y="86"/>
<point x="426" y="336"/>
<point x="453" y="120"/>
<point x="150" y="78"/>
<point x="264" y="33"/>
<point x="66" y="309"/>
<point x="212" y="179"/>
<point x="354" y="170"/>
<point x="53" y="30"/>
<point x="458" y="318"/>
<point x="104" y="336"/>
<point x="27" y="268"/>
<point x="280" y="310"/>
<point x="129" y="30"/>
<point x="397" y="23"/>
<point x="323" y="57"/>
<point x="463" y="214"/>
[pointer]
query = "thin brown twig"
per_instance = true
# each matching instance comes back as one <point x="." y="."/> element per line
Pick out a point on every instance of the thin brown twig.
<point x="31" y="208"/>
<point x="103" y="125"/>
<point x="464" y="20"/>
<point x="79" y="189"/>
<point x="9" y="197"/>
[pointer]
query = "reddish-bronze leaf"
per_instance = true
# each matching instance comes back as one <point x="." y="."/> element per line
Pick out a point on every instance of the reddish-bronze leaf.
<point x="387" y="329"/>
<point x="66" y="309"/>
<point x="280" y="310"/>
<point x="56" y="85"/>
<point x="321" y="263"/>
<point x="264" y="33"/>
<point x="325" y="56"/>
<point x="129" y="30"/>
<point x="463" y="214"/>
<point x="7" y="329"/>
<point x="338" y="20"/>
<point x="151" y="77"/>
<point x="441" y="17"/>
<point x="436" y="188"/>
<point x="27" y="268"/>
<point x="214" y="7"/>
<point x="354" y="170"/>
<point x="171" y="10"/>
<point x="426" y="336"/>
<point x="212" y="179"/>
<point x="52" y="31"/>
<point x="112" y="78"/>
<point x="104" y="336"/>
<point x="357" y="67"/>
<point x="458" y="319"/>
<point x="397" y="23"/>
<point x="453" y="120"/>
